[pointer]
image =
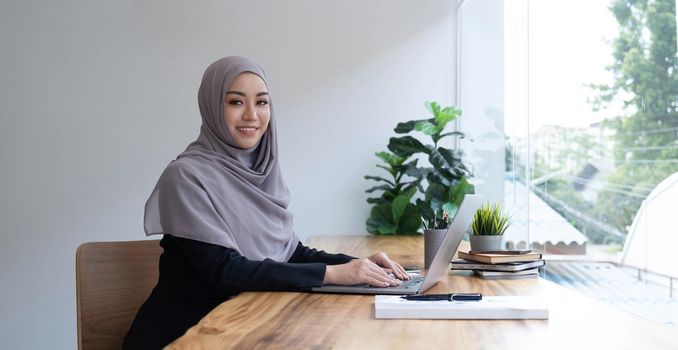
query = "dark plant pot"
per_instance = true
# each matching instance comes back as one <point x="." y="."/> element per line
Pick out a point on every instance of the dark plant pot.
<point x="432" y="241"/>
<point x="482" y="242"/>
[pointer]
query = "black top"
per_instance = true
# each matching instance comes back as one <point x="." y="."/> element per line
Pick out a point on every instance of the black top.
<point x="195" y="277"/>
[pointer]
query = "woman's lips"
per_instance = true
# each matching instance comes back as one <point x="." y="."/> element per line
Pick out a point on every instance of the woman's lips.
<point x="247" y="130"/>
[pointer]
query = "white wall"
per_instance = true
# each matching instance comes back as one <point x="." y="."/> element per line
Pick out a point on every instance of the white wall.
<point x="98" y="96"/>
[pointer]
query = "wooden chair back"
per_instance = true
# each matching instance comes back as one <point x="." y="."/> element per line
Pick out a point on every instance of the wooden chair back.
<point x="113" y="279"/>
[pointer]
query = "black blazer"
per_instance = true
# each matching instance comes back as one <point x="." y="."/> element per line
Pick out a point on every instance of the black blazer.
<point x="195" y="277"/>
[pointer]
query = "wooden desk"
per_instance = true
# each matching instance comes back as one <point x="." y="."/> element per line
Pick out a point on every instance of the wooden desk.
<point x="319" y="321"/>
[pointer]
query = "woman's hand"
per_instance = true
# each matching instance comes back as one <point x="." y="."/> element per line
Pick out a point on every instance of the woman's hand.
<point x="391" y="266"/>
<point x="373" y="270"/>
<point x="359" y="271"/>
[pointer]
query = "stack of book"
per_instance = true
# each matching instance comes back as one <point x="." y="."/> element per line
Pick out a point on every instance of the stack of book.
<point x="499" y="265"/>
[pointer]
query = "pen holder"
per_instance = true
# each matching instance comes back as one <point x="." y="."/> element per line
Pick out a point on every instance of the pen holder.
<point x="432" y="241"/>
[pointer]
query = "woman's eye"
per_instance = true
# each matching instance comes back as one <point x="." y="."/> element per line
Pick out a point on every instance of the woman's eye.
<point x="235" y="102"/>
<point x="262" y="102"/>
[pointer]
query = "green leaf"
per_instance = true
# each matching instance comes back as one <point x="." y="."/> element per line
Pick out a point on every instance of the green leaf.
<point x="455" y="133"/>
<point x="401" y="202"/>
<point x="410" y="222"/>
<point x="382" y="212"/>
<point x="459" y="172"/>
<point x="380" y="219"/>
<point x="456" y="193"/>
<point x="371" y="226"/>
<point x="378" y="178"/>
<point x="426" y="127"/>
<point x="374" y="222"/>
<point x="406" y="146"/>
<point x="412" y="170"/>
<point x="435" y="191"/>
<point x="379" y="188"/>
<point x="433" y="107"/>
<point x="425" y="210"/>
<point x="376" y="200"/>
<point x="445" y="116"/>
<point x="411" y="185"/>
<point x="410" y="192"/>
<point x="451" y="176"/>
<point x="437" y="159"/>
<point x="389" y="196"/>
<point x="399" y="205"/>
<point x="388" y="229"/>
<point x="404" y="128"/>
<point x="418" y="173"/>
<point x="390" y="170"/>
<point x="453" y="158"/>
<point x="435" y="176"/>
<point x="390" y="158"/>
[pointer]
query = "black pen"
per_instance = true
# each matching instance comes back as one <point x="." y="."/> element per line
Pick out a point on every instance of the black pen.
<point x="448" y="297"/>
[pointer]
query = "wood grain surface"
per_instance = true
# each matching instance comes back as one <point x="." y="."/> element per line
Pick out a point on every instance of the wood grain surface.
<point x="113" y="279"/>
<point x="320" y="321"/>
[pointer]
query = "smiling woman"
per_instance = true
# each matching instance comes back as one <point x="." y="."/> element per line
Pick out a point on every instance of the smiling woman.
<point x="247" y="110"/>
<point x="222" y="208"/>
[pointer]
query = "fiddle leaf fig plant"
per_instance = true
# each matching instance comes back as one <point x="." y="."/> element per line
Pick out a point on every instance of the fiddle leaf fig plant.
<point x="394" y="211"/>
<point x="447" y="177"/>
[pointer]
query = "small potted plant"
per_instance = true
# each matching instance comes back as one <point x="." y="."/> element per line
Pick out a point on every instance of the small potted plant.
<point x="488" y="227"/>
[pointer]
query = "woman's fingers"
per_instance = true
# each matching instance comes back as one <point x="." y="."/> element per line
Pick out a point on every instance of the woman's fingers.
<point x="367" y="271"/>
<point x="398" y="270"/>
<point x="394" y="270"/>
<point x="385" y="274"/>
<point x="359" y="271"/>
<point x="403" y="274"/>
<point x="390" y="264"/>
<point x="381" y="279"/>
<point x="378" y="273"/>
<point x="375" y="282"/>
<point x="376" y="268"/>
<point x="381" y="259"/>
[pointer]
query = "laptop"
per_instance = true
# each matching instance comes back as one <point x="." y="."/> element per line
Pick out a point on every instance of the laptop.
<point x="439" y="265"/>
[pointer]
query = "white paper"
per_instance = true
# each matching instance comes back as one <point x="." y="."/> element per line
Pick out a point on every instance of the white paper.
<point x="490" y="307"/>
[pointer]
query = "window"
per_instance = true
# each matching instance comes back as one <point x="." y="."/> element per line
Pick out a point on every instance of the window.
<point x="589" y="126"/>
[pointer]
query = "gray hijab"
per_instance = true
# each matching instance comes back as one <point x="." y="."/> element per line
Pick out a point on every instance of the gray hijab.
<point x="217" y="193"/>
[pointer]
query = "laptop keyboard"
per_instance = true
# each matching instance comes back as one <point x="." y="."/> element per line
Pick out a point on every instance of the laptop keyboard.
<point x="413" y="283"/>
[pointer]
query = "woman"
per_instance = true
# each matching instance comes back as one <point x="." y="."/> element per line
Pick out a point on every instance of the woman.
<point x="222" y="209"/>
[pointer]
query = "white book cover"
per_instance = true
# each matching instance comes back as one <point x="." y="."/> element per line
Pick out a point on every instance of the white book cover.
<point x="506" y="274"/>
<point x="514" y="266"/>
<point x="489" y="308"/>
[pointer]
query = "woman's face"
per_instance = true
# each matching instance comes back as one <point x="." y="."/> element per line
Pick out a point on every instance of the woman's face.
<point x="246" y="109"/>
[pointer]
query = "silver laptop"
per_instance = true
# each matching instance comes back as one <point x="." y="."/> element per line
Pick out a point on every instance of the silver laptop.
<point x="439" y="265"/>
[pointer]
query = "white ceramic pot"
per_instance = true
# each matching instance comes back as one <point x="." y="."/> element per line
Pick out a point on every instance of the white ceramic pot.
<point x="480" y="242"/>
